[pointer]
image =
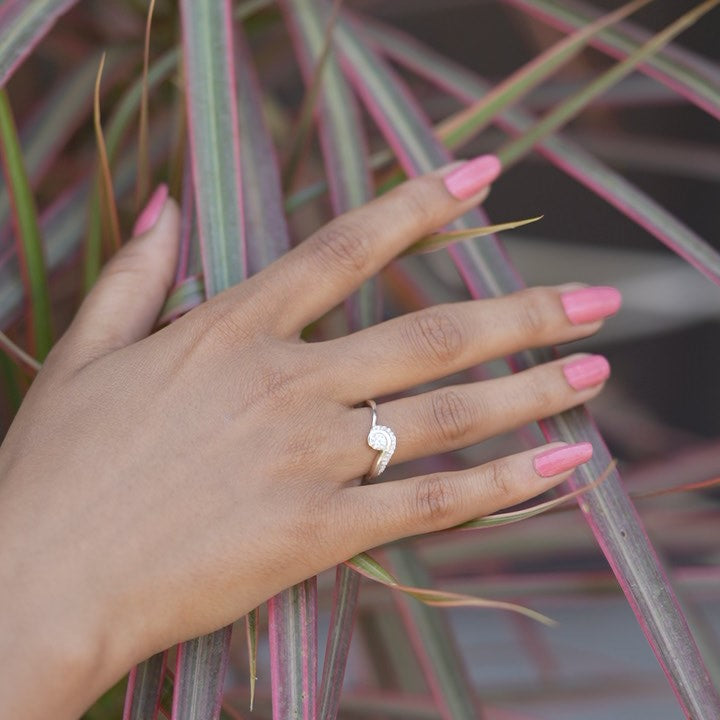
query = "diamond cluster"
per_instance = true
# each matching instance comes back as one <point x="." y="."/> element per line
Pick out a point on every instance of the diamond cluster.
<point x="382" y="439"/>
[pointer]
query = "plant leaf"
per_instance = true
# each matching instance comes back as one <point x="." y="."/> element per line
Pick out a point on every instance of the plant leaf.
<point x="366" y="566"/>
<point x="23" y="24"/>
<point x="144" y="689"/>
<point x="29" y="242"/>
<point x="199" y="676"/>
<point x="342" y="141"/>
<point x="569" y="108"/>
<point x="568" y="156"/>
<point x="464" y="125"/>
<point x="106" y="184"/>
<point x="251" y="634"/>
<point x="676" y="68"/>
<point x="293" y="651"/>
<point x="439" y="240"/>
<point x="608" y="509"/>
<point x="143" y="167"/>
<point x="214" y="140"/>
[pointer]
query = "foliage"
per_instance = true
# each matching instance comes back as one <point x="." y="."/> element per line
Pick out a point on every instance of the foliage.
<point x="206" y="97"/>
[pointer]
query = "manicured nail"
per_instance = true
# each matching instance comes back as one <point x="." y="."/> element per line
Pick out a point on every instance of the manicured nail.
<point x="149" y="216"/>
<point x="590" y="304"/>
<point x="472" y="176"/>
<point x="558" y="460"/>
<point x="586" y="371"/>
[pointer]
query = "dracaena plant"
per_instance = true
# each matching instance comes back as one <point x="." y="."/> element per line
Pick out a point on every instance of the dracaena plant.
<point x="196" y="94"/>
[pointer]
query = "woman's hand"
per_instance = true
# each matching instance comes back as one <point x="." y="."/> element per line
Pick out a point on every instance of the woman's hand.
<point x="157" y="487"/>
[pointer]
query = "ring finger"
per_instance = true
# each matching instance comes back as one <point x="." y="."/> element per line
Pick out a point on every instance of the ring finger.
<point x="460" y="415"/>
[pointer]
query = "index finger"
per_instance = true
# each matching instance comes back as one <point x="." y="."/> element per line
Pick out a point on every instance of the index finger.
<point x="334" y="261"/>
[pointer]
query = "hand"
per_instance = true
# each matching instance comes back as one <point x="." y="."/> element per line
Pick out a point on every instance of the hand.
<point x="157" y="487"/>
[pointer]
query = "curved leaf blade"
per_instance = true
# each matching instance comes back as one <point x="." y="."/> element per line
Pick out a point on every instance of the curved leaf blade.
<point x="29" y="241"/>
<point x="608" y="509"/>
<point x="23" y="24"/>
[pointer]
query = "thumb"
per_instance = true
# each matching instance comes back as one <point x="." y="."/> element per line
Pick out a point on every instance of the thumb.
<point x="125" y="302"/>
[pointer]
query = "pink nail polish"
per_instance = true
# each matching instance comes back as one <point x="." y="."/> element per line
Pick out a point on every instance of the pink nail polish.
<point x="586" y="371"/>
<point x="558" y="460"/>
<point x="590" y="304"/>
<point x="149" y="216"/>
<point x="472" y="176"/>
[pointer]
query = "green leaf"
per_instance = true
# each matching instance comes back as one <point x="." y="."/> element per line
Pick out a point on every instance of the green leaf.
<point x="214" y="141"/>
<point x="371" y="569"/>
<point x="464" y="125"/>
<point x="567" y="110"/>
<point x="29" y="241"/>
<point x="440" y="240"/>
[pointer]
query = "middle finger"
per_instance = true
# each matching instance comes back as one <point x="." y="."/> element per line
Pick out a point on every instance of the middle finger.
<point x="438" y="341"/>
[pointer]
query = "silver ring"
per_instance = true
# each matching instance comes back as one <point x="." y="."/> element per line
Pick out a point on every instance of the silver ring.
<point x="382" y="439"/>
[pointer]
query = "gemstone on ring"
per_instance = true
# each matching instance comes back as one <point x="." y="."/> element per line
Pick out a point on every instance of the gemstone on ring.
<point x="382" y="439"/>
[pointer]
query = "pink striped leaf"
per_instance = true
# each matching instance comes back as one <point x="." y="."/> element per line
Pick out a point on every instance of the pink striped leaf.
<point x="608" y="509"/>
<point x="565" y="154"/>
<point x="23" y="24"/>
<point x="209" y="54"/>
<point x="470" y="121"/>
<point x="292" y="621"/>
<point x="342" y="141"/>
<point x="695" y="79"/>
<point x="368" y="567"/>
<point x="570" y="108"/>
<point x="200" y="676"/>
<point x="144" y="689"/>
<point x="211" y="93"/>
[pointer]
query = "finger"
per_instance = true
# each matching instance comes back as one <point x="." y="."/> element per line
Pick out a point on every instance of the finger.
<point x="394" y="510"/>
<point x="124" y="304"/>
<point x="441" y="340"/>
<point x="457" y="416"/>
<point x="322" y="271"/>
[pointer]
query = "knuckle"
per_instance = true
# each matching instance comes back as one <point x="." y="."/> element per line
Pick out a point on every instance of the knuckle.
<point x="539" y="393"/>
<point x="437" y="335"/>
<point x="452" y="414"/>
<point x="342" y="245"/>
<point x="419" y="200"/>
<point x="498" y="481"/>
<point x="536" y="312"/>
<point x="435" y="501"/>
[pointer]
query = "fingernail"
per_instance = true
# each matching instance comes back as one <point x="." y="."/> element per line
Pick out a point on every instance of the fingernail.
<point x="472" y="176"/>
<point x="149" y="216"/>
<point x="586" y="371"/>
<point x="558" y="460"/>
<point x="590" y="304"/>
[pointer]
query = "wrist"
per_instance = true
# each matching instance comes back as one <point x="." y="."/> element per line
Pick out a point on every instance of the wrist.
<point x="59" y="652"/>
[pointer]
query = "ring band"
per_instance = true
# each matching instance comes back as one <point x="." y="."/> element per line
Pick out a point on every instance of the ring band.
<point x="382" y="439"/>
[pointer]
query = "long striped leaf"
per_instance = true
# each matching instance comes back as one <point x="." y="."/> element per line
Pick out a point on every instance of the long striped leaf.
<point x="29" y="242"/>
<point x="571" y="107"/>
<point x="144" y="689"/>
<point x="342" y="141"/>
<point x="208" y="52"/>
<point x="677" y="69"/>
<point x="470" y="121"/>
<point x="23" y="24"/>
<point x="608" y="509"/>
<point x="564" y="153"/>
<point x="200" y="675"/>
<point x="214" y="141"/>
<point x="293" y="659"/>
<point x="292" y="614"/>
<point x="371" y="569"/>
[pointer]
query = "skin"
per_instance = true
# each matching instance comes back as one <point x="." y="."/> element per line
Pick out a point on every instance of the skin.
<point x="233" y="450"/>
